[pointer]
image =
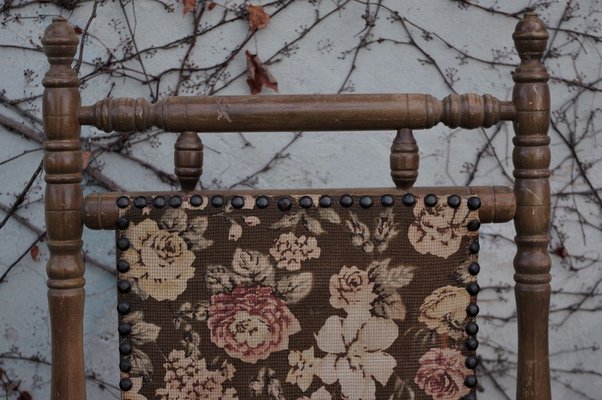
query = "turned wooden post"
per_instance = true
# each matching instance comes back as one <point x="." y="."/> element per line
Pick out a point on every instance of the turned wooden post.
<point x="531" y="158"/>
<point x="188" y="160"/>
<point x="404" y="159"/>
<point x="63" y="202"/>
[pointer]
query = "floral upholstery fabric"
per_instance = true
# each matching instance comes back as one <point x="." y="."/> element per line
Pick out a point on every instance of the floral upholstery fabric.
<point x="357" y="303"/>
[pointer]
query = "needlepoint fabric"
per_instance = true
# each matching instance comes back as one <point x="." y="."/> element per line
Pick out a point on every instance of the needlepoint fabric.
<point x="360" y="302"/>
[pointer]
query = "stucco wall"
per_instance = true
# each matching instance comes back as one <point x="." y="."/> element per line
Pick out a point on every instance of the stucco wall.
<point x="319" y="46"/>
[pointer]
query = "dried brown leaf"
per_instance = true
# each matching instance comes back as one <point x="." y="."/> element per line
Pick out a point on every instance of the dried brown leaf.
<point x="258" y="18"/>
<point x="189" y="5"/>
<point x="86" y="159"/>
<point x="35" y="253"/>
<point x="258" y="74"/>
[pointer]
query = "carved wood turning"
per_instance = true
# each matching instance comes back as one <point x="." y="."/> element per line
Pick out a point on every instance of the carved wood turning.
<point x="188" y="160"/>
<point x="531" y="157"/>
<point x="297" y="112"/>
<point x="63" y="204"/>
<point x="405" y="159"/>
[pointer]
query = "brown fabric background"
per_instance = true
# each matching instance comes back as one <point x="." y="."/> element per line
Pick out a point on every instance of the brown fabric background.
<point x="336" y="250"/>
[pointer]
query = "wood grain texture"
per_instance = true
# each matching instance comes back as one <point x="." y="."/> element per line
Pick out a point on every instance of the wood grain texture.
<point x="188" y="160"/>
<point x="297" y="112"/>
<point x="404" y="159"/>
<point x="498" y="204"/>
<point x="531" y="159"/>
<point x="63" y="202"/>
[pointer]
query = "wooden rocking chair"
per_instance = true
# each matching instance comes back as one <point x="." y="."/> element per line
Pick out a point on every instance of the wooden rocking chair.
<point x="298" y="294"/>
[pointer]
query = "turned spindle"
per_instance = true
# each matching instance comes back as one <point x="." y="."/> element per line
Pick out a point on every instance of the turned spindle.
<point x="63" y="203"/>
<point x="404" y="159"/>
<point x="188" y="160"/>
<point x="297" y="112"/>
<point x="531" y="157"/>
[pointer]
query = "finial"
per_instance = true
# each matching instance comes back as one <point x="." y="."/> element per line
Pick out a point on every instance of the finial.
<point x="60" y="45"/>
<point x="61" y="33"/>
<point x="530" y="37"/>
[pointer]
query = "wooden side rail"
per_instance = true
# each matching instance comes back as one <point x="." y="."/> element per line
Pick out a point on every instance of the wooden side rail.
<point x="498" y="204"/>
<point x="297" y="112"/>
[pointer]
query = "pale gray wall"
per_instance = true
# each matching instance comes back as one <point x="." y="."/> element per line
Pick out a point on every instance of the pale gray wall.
<point x="480" y="47"/>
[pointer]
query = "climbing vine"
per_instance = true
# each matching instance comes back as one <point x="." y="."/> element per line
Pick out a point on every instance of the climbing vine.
<point x="158" y="48"/>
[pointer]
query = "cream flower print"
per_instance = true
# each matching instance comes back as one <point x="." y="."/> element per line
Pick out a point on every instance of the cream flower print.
<point x="302" y="371"/>
<point x="195" y="234"/>
<point x="174" y="220"/>
<point x="385" y="230"/>
<point x="248" y="267"/>
<point x="289" y="250"/>
<point x="189" y="378"/>
<point x="235" y="231"/>
<point x="438" y="230"/>
<point x="141" y="333"/>
<point x="444" y="311"/>
<point x="356" y="357"/>
<point x="351" y="289"/>
<point x="160" y="262"/>
<point x="320" y="394"/>
<point x="133" y="394"/>
<point x="251" y="220"/>
<point x="193" y="230"/>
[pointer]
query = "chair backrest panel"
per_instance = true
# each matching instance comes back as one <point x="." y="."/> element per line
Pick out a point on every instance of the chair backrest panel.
<point x="284" y="296"/>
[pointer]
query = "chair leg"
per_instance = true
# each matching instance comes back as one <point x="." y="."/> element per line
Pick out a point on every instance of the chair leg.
<point x="63" y="202"/>
<point x="531" y="158"/>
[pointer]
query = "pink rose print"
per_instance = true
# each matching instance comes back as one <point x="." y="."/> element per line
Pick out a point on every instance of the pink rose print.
<point x="441" y="374"/>
<point x="250" y="323"/>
